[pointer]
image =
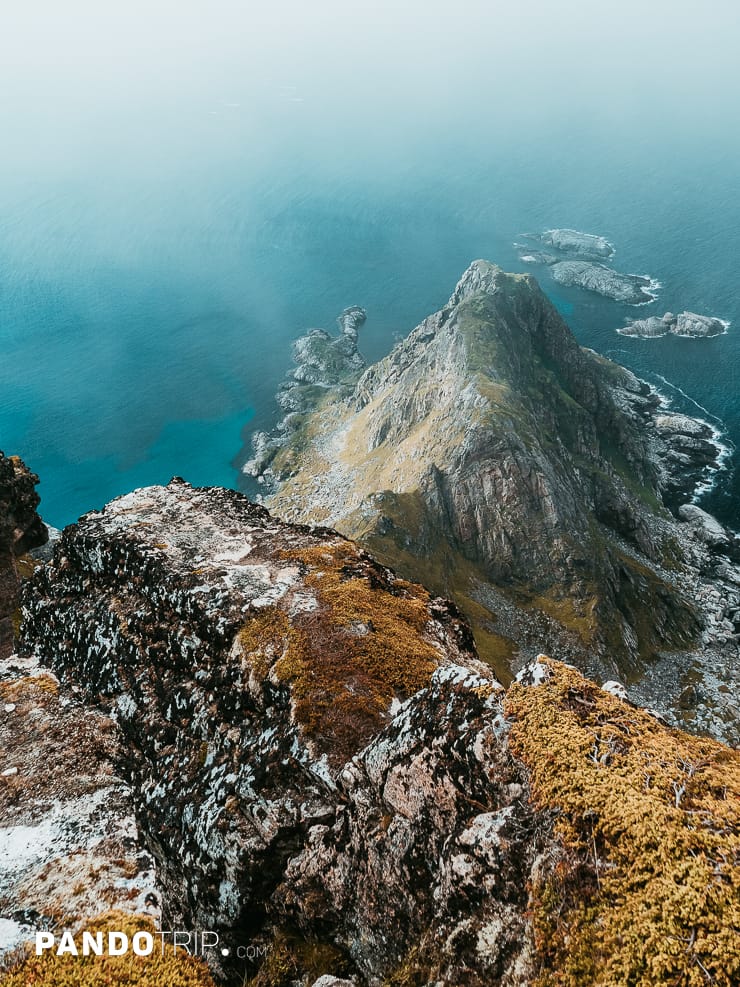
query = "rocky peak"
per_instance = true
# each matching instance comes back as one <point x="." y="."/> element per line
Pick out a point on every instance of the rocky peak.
<point x="492" y="457"/>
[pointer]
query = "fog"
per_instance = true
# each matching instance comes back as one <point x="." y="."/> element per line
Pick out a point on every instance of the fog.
<point x="85" y="80"/>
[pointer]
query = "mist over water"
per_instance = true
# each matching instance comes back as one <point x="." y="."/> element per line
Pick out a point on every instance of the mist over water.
<point x="185" y="187"/>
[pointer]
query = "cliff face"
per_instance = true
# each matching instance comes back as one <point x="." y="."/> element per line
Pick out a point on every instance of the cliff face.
<point x="323" y="768"/>
<point x="500" y="463"/>
<point x="20" y="529"/>
<point x="245" y="661"/>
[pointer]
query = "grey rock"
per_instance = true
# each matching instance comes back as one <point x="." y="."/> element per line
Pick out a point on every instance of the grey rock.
<point x="706" y="527"/>
<point x="493" y="457"/>
<point x="631" y="289"/>
<point x="687" y="324"/>
<point x="571" y="243"/>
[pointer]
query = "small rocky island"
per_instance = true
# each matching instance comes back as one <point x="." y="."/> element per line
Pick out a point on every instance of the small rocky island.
<point x="686" y="324"/>
<point x="578" y="260"/>
<point x="586" y="246"/>
<point x="631" y="289"/>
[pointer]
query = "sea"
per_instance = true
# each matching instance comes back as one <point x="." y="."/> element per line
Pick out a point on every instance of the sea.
<point x="157" y="258"/>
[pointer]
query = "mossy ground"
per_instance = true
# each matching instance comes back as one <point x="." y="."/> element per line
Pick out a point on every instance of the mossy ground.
<point x="345" y="660"/>
<point x="161" y="969"/>
<point x="648" y="889"/>
<point x="292" y="960"/>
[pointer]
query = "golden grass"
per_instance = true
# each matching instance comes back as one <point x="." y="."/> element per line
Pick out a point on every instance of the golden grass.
<point x="648" y="890"/>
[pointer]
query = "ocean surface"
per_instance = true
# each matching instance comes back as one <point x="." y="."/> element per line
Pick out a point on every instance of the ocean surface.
<point x="148" y="301"/>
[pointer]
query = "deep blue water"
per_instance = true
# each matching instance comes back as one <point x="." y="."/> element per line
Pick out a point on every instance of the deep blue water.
<point x="146" y="313"/>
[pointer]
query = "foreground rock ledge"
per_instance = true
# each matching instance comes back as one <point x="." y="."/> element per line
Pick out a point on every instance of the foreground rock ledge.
<point x="421" y="827"/>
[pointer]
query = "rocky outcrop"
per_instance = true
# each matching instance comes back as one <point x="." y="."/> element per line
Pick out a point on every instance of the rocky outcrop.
<point x="687" y="324"/>
<point x="322" y="361"/>
<point x="69" y="844"/>
<point x="529" y="479"/>
<point x="577" y="260"/>
<point x="631" y="289"/>
<point x="20" y="530"/>
<point x="244" y="660"/>
<point x="320" y="763"/>
<point x="572" y="243"/>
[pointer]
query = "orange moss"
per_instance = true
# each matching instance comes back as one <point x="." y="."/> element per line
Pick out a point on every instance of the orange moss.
<point x="648" y="889"/>
<point x="264" y="639"/>
<point x="161" y="969"/>
<point x="360" y="648"/>
<point x="14" y="689"/>
<point x="346" y="660"/>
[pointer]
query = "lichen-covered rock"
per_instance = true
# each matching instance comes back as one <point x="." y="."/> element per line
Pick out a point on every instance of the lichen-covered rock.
<point x="69" y="843"/>
<point x="428" y="861"/>
<point x="245" y="660"/>
<point x="21" y="529"/>
<point x="320" y="764"/>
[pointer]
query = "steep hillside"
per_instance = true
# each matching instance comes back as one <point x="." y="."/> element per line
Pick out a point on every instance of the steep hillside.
<point x="492" y="458"/>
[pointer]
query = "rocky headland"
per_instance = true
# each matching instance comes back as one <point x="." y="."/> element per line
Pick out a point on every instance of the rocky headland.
<point x="538" y="485"/>
<point x="687" y="324"/>
<point x="322" y="361"/>
<point x="320" y="765"/>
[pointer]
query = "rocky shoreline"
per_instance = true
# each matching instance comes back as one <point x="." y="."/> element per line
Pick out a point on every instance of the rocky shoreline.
<point x="322" y="362"/>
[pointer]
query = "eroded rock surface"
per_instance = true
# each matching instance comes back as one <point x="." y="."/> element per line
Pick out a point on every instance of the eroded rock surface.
<point x="320" y="763"/>
<point x="21" y="529"/>
<point x="69" y="843"/>
<point x="572" y="243"/>
<point x="244" y="661"/>
<point x="631" y="289"/>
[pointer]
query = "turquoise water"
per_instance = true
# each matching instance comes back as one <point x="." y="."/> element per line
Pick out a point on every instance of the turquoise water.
<point x="162" y="244"/>
<point x="140" y="345"/>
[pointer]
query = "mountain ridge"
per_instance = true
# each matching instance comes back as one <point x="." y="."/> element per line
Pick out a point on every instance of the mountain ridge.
<point x="493" y="458"/>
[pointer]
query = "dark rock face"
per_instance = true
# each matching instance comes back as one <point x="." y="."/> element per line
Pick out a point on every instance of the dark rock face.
<point x="495" y="459"/>
<point x="435" y="829"/>
<point x="20" y="530"/>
